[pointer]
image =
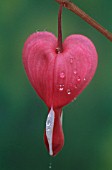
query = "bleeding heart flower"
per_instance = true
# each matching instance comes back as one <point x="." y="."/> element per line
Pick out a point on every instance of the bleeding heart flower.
<point x="58" y="75"/>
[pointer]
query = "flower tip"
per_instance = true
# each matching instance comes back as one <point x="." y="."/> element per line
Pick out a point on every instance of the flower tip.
<point x="53" y="135"/>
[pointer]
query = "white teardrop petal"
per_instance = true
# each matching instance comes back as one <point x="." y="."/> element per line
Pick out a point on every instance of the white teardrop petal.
<point x="49" y="129"/>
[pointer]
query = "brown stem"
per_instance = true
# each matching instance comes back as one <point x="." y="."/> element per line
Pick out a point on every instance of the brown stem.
<point x="59" y="49"/>
<point x="72" y="7"/>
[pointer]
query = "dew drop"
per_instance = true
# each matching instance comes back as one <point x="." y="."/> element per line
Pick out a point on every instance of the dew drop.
<point x="68" y="91"/>
<point x="62" y="75"/>
<point x="61" y="87"/>
<point x="75" y="72"/>
<point x="78" y="79"/>
<point x="84" y="79"/>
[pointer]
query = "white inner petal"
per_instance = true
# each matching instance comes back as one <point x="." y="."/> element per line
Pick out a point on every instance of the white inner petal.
<point x="49" y="129"/>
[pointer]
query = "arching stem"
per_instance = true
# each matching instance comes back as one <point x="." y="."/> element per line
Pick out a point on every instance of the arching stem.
<point x="72" y="7"/>
<point x="59" y="48"/>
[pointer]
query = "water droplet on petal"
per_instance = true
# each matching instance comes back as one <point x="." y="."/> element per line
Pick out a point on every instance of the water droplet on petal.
<point x="61" y="87"/>
<point x="78" y="79"/>
<point x="75" y="72"/>
<point x="68" y="91"/>
<point x="62" y="75"/>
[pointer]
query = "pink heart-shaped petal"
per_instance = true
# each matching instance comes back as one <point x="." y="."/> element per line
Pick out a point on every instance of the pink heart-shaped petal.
<point x="59" y="78"/>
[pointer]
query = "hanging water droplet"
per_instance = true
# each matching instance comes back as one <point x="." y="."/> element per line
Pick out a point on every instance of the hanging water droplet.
<point x="84" y="79"/>
<point x="50" y="162"/>
<point x="78" y="79"/>
<point x="62" y="75"/>
<point x="50" y="165"/>
<point x="68" y="91"/>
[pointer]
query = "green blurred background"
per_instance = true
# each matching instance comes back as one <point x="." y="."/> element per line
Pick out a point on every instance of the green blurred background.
<point x="87" y="122"/>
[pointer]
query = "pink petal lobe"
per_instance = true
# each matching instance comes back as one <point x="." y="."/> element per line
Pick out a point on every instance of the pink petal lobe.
<point x="74" y="69"/>
<point x="39" y="59"/>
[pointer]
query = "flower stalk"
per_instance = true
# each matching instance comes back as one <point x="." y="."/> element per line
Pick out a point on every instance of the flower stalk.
<point x="72" y="7"/>
<point x="59" y="49"/>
